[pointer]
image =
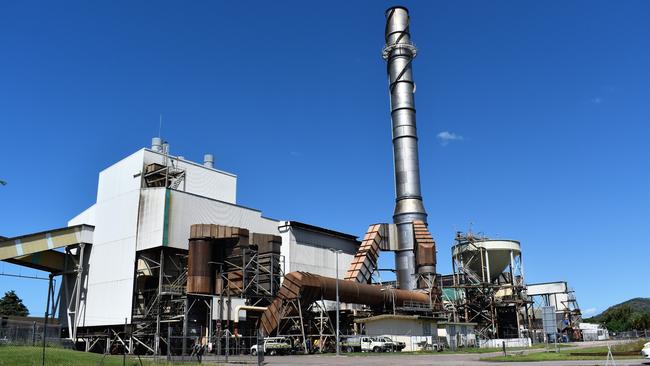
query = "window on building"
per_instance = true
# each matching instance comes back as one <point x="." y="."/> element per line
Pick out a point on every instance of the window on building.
<point x="426" y="329"/>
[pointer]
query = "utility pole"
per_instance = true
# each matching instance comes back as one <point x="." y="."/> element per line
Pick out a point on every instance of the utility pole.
<point x="338" y="305"/>
<point x="47" y="314"/>
<point x="125" y="333"/>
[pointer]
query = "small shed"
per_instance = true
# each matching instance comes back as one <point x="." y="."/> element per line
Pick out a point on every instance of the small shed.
<point x="593" y="332"/>
<point x="458" y="334"/>
<point x="418" y="331"/>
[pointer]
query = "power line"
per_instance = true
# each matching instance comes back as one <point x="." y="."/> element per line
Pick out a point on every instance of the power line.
<point x="23" y="276"/>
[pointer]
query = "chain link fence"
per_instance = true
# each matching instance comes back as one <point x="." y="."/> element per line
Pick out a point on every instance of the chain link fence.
<point x="30" y="333"/>
<point x="632" y="334"/>
<point x="22" y="343"/>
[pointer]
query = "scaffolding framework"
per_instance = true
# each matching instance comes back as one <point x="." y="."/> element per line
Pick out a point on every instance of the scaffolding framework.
<point x="568" y="313"/>
<point x="166" y="319"/>
<point x="497" y="303"/>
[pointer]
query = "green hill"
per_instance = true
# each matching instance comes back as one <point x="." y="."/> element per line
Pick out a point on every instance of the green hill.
<point x="628" y="315"/>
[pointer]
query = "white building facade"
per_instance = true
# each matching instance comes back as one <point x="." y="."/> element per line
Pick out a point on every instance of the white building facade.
<point x="130" y="215"/>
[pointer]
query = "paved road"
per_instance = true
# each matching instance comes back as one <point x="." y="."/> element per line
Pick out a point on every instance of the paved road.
<point x="469" y="359"/>
<point x="420" y="360"/>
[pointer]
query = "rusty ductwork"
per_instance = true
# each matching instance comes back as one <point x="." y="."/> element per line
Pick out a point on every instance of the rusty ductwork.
<point x="426" y="249"/>
<point x="307" y="288"/>
<point x="214" y="248"/>
<point x="199" y="275"/>
<point x="365" y="260"/>
<point x="210" y="243"/>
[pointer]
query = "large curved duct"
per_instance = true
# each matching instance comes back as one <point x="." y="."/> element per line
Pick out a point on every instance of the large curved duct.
<point x="399" y="53"/>
<point x="308" y="287"/>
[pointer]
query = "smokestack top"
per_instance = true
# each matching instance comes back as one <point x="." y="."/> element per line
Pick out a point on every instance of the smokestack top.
<point x="396" y="7"/>
<point x="397" y="34"/>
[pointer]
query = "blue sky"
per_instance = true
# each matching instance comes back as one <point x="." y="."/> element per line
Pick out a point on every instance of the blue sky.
<point x="532" y="118"/>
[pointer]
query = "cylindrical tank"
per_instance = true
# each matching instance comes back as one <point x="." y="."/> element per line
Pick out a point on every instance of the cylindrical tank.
<point x="156" y="144"/>
<point x="399" y="53"/>
<point x="199" y="276"/>
<point x="486" y="258"/>
<point x="208" y="160"/>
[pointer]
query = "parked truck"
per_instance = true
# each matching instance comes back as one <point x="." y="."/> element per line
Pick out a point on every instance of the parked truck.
<point x="371" y="344"/>
<point x="392" y="345"/>
<point x="274" y="346"/>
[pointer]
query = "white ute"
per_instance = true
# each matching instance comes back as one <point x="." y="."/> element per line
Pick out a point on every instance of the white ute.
<point x="274" y="346"/>
<point x="645" y="352"/>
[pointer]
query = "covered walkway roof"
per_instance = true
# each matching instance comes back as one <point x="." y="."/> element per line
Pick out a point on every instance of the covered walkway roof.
<point x="39" y="250"/>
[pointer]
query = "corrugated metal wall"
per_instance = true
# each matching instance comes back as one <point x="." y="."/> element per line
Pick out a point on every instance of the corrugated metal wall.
<point x="187" y="209"/>
<point x="309" y="252"/>
<point x="111" y="264"/>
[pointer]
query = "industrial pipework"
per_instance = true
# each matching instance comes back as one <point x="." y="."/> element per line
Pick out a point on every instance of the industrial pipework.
<point x="399" y="53"/>
<point x="308" y="287"/>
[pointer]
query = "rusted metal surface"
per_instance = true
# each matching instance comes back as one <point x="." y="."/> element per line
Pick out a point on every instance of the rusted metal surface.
<point x="226" y="250"/>
<point x="210" y="243"/>
<point x="365" y="260"/>
<point x="212" y="231"/>
<point x="199" y="276"/>
<point x="308" y="287"/>
<point x="426" y="248"/>
<point x="426" y="264"/>
<point x="267" y="243"/>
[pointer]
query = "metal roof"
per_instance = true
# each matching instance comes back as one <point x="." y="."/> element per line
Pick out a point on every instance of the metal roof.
<point x="38" y="248"/>
<point x="302" y="225"/>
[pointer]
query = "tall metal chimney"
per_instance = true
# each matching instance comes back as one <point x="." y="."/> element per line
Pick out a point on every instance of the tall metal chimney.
<point x="399" y="53"/>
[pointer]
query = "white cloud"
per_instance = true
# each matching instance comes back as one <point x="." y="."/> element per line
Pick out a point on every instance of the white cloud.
<point x="590" y="311"/>
<point x="446" y="137"/>
<point x="597" y="100"/>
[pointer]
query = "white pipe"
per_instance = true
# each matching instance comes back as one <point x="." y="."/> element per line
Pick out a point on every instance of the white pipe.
<point x="487" y="262"/>
<point x="239" y="308"/>
<point x="512" y="268"/>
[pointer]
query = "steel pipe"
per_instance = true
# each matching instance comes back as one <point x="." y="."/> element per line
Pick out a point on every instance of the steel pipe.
<point x="399" y="53"/>
<point x="308" y="287"/>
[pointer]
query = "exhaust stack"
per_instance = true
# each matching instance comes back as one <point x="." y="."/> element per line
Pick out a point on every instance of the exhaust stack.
<point x="208" y="161"/>
<point x="399" y="53"/>
<point x="156" y="144"/>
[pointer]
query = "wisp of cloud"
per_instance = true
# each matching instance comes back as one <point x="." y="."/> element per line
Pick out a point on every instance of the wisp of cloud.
<point x="446" y="137"/>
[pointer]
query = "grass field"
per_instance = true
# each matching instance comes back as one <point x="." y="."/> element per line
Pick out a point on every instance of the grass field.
<point x="573" y="354"/>
<point x="509" y="349"/>
<point x="32" y="356"/>
<point x="492" y="350"/>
